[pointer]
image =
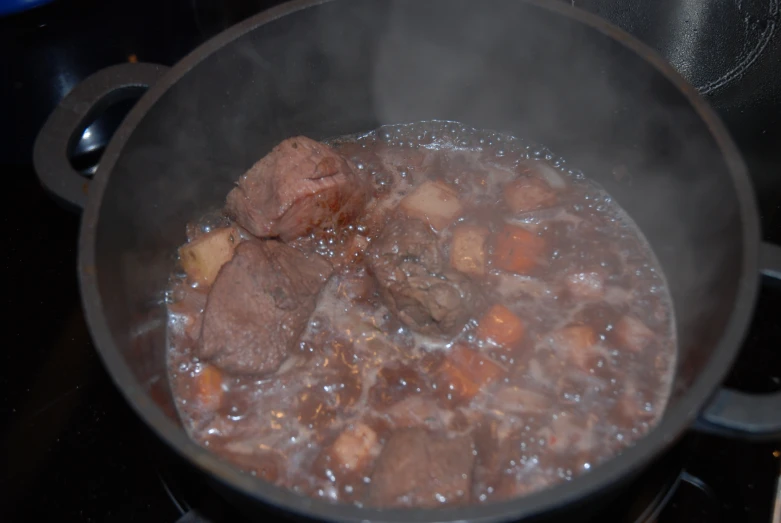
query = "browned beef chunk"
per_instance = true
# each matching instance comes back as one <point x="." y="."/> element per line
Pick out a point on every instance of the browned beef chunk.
<point x="415" y="281"/>
<point x="259" y="305"/>
<point x="421" y="468"/>
<point x="300" y="186"/>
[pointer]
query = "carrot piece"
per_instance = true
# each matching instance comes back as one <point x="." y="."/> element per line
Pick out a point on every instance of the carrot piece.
<point x="500" y="325"/>
<point x="464" y="372"/>
<point x="517" y="250"/>
<point x="208" y="387"/>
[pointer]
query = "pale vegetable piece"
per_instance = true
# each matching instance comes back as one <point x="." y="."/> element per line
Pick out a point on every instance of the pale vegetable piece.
<point x="578" y="342"/>
<point x="550" y="174"/>
<point x="575" y="338"/>
<point x="355" y="446"/>
<point x="529" y="194"/>
<point x="203" y="257"/>
<point x="521" y="401"/>
<point x="415" y="411"/>
<point x="433" y="202"/>
<point x="586" y="284"/>
<point x="468" y="252"/>
<point x="632" y="334"/>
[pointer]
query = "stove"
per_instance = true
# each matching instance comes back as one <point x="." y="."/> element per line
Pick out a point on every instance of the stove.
<point x="74" y="450"/>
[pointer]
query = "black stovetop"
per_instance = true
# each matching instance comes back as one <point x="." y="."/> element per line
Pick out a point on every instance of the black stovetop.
<point x="72" y="448"/>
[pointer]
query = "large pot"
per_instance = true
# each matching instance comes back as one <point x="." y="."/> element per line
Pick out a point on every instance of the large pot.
<point x="535" y="69"/>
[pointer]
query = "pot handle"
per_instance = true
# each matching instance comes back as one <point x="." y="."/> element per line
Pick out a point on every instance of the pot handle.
<point x="88" y="99"/>
<point x="738" y="414"/>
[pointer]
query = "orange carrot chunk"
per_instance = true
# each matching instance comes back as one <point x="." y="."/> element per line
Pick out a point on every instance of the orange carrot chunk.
<point x="517" y="250"/>
<point x="465" y="371"/>
<point x="500" y="325"/>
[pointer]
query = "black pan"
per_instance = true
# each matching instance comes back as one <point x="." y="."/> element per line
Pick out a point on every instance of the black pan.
<point x="536" y="69"/>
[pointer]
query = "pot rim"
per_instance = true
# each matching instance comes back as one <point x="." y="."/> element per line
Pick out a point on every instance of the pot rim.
<point x="676" y="420"/>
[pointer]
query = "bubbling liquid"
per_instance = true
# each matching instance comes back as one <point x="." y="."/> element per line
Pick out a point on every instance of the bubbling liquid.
<point x="590" y="377"/>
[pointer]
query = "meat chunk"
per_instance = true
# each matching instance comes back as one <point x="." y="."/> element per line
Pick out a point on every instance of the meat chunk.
<point x="499" y="457"/>
<point x="421" y="468"/>
<point x="259" y="305"/>
<point x="414" y="280"/>
<point x="300" y="186"/>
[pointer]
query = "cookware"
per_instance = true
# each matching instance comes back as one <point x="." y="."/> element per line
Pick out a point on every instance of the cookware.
<point x="535" y="69"/>
<point x="8" y="7"/>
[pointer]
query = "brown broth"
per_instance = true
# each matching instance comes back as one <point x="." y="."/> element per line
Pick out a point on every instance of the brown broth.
<point x="560" y="406"/>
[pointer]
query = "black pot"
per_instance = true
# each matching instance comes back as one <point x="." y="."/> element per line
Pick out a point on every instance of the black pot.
<point x="535" y="69"/>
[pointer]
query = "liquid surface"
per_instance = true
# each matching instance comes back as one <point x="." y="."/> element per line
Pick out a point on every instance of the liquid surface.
<point x="560" y="359"/>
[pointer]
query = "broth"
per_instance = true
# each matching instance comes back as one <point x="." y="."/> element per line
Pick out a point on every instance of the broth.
<point x="488" y="324"/>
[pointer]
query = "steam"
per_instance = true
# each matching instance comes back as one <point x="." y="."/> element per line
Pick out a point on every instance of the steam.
<point x="348" y="66"/>
<point x="519" y="70"/>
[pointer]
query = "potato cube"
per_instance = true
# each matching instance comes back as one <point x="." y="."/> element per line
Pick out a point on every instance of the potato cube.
<point x="575" y="337"/>
<point x="586" y="284"/>
<point x="467" y="252"/>
<point x="501" y="326"/>
<point x="203" y="257"/>
<point x="355" y="446"/>
<point x="632" y="334"/>
<point x="528" y="194"/>
<point x="433" y="202"/>
<point x="517" y="250"/>
<point x="576" y="340"/>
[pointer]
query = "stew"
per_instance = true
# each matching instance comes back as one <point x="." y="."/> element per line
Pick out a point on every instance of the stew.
<point x="420" y="315"/>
